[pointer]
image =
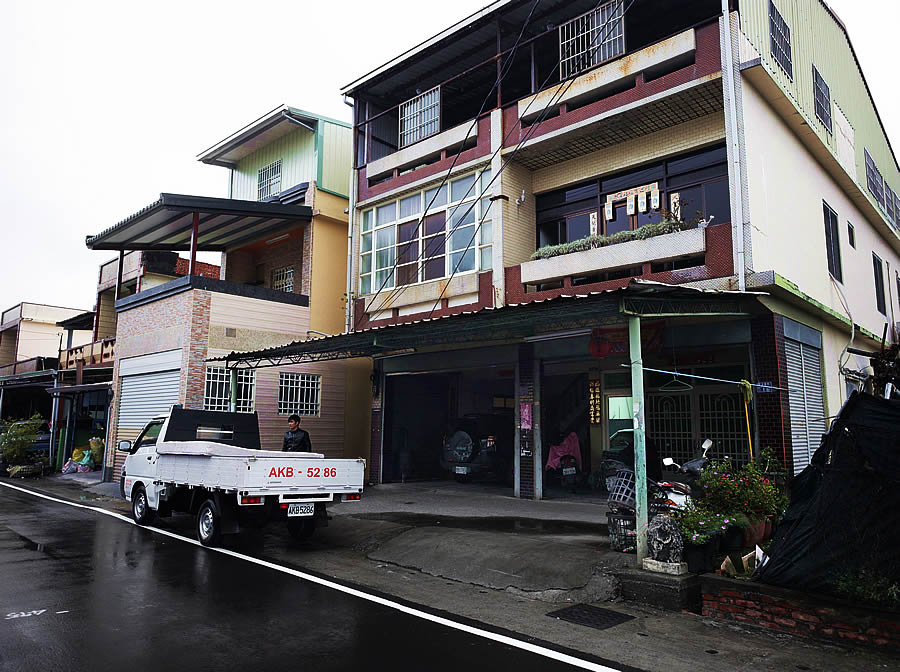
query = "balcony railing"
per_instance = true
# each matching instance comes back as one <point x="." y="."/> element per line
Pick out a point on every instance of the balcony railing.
<point x="32" y="365"/>
<point x="91" y="354"/>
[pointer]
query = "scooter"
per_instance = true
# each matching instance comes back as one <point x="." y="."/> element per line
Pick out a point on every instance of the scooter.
<point x="569" y="471"/>
<point x="681" y="493"/>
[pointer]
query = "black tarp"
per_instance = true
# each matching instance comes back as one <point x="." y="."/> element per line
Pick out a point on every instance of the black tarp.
<point x="843" y="517"/>
<point x="234" y="429"/>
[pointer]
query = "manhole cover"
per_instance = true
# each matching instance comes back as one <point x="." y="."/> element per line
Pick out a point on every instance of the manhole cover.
<point x="592" y="617"/>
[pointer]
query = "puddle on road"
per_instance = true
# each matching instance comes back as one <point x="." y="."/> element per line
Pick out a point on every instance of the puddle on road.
<point x="497" y="524"/>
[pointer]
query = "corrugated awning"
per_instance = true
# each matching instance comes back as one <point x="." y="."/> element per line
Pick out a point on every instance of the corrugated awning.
<point x="508" y="323"/>
<point x="222" y="223"/>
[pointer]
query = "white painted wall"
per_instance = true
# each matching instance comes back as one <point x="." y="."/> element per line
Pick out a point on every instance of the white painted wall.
<point x="786" y="189"/>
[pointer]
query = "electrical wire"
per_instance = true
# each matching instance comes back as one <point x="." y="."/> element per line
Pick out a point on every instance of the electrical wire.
<point x="503" y="72"/>
<point x="542" y="116"/>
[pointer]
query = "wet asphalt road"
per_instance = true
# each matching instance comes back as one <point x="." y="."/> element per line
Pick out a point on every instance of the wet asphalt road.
<point x="80" y="590"/>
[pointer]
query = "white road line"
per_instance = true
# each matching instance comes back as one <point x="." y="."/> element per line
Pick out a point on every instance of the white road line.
<point x="478" y="632"/>
<point x="63" y="612"/>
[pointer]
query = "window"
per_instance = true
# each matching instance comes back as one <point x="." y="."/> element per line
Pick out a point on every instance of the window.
<point x="218" y="390"/>
<point x="420" y="117"/>
<point x="891" y="204"/>
<point x="851" y="235"/>
<point x="780" y="40"/>
<point x="148" y="437"/>
<point x="299" y="393"/>
<point x="268" y="181"/>
<point x="823" y="100"/>
<point x="398" y="246"/>
<point x="873" y="179"/>
<point x="832" y="243"/>
<point x="283" y="279"/>
<point x="879" y="284"/>
<point x="592" y="38"/>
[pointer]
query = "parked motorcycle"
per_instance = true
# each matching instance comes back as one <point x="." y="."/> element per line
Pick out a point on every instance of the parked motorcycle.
<point x="569" y="471"/>
<point x="692" y="469"/>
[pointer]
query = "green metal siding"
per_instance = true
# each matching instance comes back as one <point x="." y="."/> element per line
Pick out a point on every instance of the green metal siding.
<point x="297" y="152"/>
<point x="335" y="150"/>
<point x="817" y="39"/>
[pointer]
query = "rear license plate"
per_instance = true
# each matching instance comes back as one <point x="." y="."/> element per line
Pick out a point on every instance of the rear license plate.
<point x="568" y="471"/>
<point x="301" y="509"/>
<point x="462" y="470"/>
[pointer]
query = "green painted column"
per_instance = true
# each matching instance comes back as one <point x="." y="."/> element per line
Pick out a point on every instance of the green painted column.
<point x="232" y="397"/>
<point x="640" y="453"/>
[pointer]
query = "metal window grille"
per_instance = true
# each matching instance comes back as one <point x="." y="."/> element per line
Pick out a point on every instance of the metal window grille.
<point x="420" y="117"/>
<point x="874" y="181"/>
<point x="217" y="396"/>
<point x="283" y="279"/>
<point x="780" y="40"/>
<point x="591" y="39"/>
<point x="823" y="100"/>
<point x="268" y="181"/>
<point x="299" y="393"/>
<point x="670" y="425"/>
<point x="722" y="420"/>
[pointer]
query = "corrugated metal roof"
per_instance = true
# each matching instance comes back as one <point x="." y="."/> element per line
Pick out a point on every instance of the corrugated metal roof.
<point x="506" y="322"/>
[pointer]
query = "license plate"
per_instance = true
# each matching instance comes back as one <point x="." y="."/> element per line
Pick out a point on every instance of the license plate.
<point x="462" y="470"/>
<point x="568" y="471"/>
<point x="301" y="510"/>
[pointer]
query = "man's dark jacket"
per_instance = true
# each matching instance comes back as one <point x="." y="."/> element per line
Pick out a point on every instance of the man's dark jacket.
<point x="297" y="441"/>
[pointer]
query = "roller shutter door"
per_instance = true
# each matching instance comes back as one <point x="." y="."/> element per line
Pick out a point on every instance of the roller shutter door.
<point x="806" y="400"/>
<point x="147" y="395"/>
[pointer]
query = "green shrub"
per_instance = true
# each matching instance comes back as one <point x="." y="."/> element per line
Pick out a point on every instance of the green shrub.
<point x="17" y="438"/>
<point x="595" y="241"/>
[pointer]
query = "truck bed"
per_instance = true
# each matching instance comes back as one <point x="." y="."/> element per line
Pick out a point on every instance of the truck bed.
<point x="218" y="466"/>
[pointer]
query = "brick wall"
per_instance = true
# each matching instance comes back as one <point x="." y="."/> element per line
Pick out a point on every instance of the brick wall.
<point x="770" y="365"/>
<point x="193" y="357"/>
<point x="782" y="610"/>
<point x="255" y="264"/>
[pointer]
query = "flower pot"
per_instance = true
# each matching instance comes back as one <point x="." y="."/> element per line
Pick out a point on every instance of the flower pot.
<point x="769" y="527"/>
<point x="700" y="557"/>
<point x="733" y="539"/>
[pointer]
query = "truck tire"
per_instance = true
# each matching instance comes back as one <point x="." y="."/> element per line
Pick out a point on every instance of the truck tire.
<point x="140" y="507"/>
<point x="209" y="526"/>
<point x="301" y="528"/>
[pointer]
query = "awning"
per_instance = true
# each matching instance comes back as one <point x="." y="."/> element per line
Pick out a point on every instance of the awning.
<point x="509" y="323"/>
<point x="74" y="389"/>
<point x="221" y="223"/>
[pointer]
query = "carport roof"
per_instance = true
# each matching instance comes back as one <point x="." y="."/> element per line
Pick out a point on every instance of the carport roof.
<point x="511" y="322"/>
<point x="166" y="224"/>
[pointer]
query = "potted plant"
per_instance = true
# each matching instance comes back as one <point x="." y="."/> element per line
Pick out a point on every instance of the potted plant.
<point x="733" y="537"/>
<point x="701" y="530"/>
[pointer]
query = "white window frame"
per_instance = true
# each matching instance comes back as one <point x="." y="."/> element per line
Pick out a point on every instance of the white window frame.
<point x="299" y="393"/>
<point x="268" y="181"/>
<point x="420" y="117"/>
<point x="283" y="279"/>
<point x="592" y="38"/>
<point x="374" y="267"/>
<point x="217" y="390"/>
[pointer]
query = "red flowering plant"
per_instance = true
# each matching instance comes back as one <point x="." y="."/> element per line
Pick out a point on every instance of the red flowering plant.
<point x="740" y="491"/>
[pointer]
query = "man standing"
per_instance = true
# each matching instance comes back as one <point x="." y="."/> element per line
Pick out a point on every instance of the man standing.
<point x="296" y="439"/>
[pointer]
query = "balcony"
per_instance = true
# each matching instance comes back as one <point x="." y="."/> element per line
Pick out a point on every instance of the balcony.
<point x="98" y="353"/>
<point x="674" y="258"/>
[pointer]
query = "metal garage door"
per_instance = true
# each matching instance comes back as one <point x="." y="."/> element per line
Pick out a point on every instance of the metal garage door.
<point x="806" y="399"/>
<point x="147" y="395"/>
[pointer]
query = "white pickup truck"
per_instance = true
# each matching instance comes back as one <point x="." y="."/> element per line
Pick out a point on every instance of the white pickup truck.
<point x="208" y="463"/>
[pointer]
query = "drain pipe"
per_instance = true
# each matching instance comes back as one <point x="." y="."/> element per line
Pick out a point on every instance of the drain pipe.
<point x="729" y="72"/>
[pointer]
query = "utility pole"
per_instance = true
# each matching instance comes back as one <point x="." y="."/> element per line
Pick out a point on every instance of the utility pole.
<point x="640" y="455"/>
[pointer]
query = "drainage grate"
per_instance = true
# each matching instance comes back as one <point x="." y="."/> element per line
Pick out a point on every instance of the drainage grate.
<point x="592" y="617"/>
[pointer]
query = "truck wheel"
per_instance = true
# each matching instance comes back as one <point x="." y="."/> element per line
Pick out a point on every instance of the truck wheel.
<point x="140" y="507"/>
<point x="209" y="528"/>
<point x="301" y="528"/>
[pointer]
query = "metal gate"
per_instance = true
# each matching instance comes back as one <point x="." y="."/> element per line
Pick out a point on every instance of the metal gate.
<point x="146" y="396"/>
<point x="806" y="401"/>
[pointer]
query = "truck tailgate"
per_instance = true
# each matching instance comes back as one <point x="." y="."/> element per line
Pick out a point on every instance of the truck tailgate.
<point x="312" y="475"/>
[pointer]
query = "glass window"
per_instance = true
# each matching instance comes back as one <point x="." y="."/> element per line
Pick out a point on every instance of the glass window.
<point x="717" y="202"/>
<point x="486" y="186"/>
<point x="487" y="232"/>
<point x="619" y="221"/>
<point x="578" y="227"/>
<point x="851" y="235"/>
<point x="462" y="188"/>
<point x="435" y="198"/>
<point x="366" y="243"/>
<point x="822" y="96"/>
<point x="411" y="205"/>
<point x="420" y="117"/>
<point x="487" y="261"/>
<point x="217" y="396"/>
<point x="368" y="219"/>
<point x="687" y="204"/>
<point x="149" y="437"/>
<point x="780" y="40"/>
<point x="879" y="284"/>
<point x="832" y="243"/>
<point x="268" y="181"/>
<point x="299" y="393"/>
<point x="549" y="234"/>
<point x="385" y="214"/>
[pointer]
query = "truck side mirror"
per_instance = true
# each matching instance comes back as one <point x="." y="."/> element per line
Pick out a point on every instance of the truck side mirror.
<point x="124" y="446"/>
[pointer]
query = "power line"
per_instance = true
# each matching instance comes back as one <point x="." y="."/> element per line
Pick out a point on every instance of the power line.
<point x="542" y="116"/>
<point x="503" y="72"/>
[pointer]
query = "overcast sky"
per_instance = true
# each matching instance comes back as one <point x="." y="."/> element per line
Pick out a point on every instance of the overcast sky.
<point x="107" y="104"/>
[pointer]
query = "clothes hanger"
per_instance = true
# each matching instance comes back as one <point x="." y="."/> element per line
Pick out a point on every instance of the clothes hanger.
<point x="675" y="385"/>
